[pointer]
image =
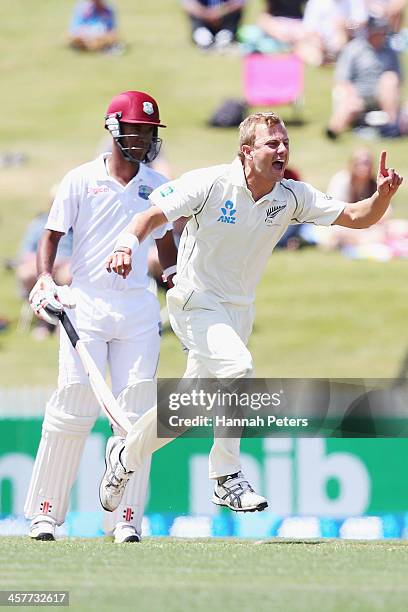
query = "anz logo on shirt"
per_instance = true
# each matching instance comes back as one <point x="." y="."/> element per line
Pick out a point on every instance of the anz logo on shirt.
<point x="227" y="213"/>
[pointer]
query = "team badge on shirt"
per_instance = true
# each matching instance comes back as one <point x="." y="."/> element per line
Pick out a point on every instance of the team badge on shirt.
<point x="271" y="213"/>
<point x="227" y="213"/>
<point x="167" y="191"/>
<point x="145" y="191"/>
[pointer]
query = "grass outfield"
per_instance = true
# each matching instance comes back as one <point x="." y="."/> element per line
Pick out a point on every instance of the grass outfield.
<point x="222" y="575"/>
<point x="317" y="315"/>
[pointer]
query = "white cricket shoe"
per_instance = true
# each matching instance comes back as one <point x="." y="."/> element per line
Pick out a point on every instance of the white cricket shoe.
<point x="124" y="532"/>
<point x="237" y="494"/>
<point x="42" y="527"/>
<point x="115" y="478"/>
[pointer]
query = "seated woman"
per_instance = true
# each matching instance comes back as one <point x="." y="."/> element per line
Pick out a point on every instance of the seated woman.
<point x="386" y="239"/>
<point x="356" y="182"/>
<point x="282" y="20"/>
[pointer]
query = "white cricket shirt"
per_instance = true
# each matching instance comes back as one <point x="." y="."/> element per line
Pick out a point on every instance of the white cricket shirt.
<point x="99" y="208"/>
<point x="228" y="240"/>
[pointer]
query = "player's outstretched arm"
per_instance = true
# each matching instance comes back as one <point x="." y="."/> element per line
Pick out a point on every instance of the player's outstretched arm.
<point x="365" y="213"/>
<point x="142" y="224"/>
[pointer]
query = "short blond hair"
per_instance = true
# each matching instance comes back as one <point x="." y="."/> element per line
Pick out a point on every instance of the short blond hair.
<point x="247" y="128"/>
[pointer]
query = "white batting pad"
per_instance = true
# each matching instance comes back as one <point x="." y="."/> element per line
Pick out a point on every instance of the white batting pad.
<point x="69" y="416"/>
<point x="54" y="473"/>
<point x="72" y="410"/>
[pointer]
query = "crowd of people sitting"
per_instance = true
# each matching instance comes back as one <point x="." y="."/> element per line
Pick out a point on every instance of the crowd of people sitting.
<point x="317" y="31"/>
<point x="356" y="35"/>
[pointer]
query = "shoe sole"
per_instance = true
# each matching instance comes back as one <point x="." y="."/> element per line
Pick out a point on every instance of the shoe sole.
<point x="132" y="538"/>
<point x="219" y="502"/>
<point x="43" y="537"/>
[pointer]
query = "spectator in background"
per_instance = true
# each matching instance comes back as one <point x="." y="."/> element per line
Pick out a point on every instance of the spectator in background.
<point x="299" y="235"/>
<point x="392" y="10"/>
<point x="26" y="267"/>
<point x="93" y="27"/>
<point x="214" y="23"/>
<point x="329" y="25"/>
<point x="282" y="20"/>
<point x="356" y="182"/>
<point x="368" y="77"/>
<point x="26" y="270"/>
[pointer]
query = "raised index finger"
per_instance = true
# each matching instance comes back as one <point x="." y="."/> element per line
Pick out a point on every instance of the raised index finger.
<point x="382" y="169"/>
<point x="108" y="263"/>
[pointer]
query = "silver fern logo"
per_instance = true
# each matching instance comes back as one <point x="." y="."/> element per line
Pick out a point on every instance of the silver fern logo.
<point x="271" y="213"/>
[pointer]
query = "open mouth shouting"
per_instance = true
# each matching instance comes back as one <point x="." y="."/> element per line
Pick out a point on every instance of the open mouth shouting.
<point x="278" y="165"/>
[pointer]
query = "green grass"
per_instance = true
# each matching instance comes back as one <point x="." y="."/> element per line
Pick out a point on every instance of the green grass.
<point x="318" y="314"/>
<point x="222" y="575"/>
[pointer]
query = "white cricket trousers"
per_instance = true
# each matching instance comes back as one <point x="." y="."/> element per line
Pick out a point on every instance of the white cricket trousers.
<point x="215" y="335"/>
<point x="121" y="331"/>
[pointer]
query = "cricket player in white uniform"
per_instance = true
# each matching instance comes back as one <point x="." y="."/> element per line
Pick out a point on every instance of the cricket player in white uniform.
<point x="238" y="212"/>
<point x="117" y="320"/>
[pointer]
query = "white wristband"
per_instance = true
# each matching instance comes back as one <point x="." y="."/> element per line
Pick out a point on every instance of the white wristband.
<point x="169" y="271"/>
<point x="128" y="240"/>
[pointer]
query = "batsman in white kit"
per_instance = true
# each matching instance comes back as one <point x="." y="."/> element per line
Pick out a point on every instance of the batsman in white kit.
<point x="117" y="320"/>
<point x="237" y="213"/>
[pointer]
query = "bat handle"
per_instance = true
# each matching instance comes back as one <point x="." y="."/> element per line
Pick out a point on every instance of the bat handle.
<point x="69" y="328"/>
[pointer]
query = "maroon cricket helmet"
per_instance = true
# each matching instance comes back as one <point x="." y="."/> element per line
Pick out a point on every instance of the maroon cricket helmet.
<point x="135" y="107"/>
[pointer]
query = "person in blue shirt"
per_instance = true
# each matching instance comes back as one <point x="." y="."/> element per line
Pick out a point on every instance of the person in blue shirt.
<point x="26" y="263"/>
<point x="93" y="27"/>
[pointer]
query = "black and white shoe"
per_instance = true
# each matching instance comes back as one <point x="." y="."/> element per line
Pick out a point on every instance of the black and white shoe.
<point x="237" y="494"/>
<point x="42" y="527"/>
<point x="126" y="533"/>
<point x="115" y="478"/>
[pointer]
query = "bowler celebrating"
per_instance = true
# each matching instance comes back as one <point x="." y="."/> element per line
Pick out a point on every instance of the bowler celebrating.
<point x="238" y="212"/>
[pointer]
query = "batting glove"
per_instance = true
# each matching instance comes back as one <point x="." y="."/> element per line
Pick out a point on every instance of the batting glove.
<point x="46" y="293"/>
